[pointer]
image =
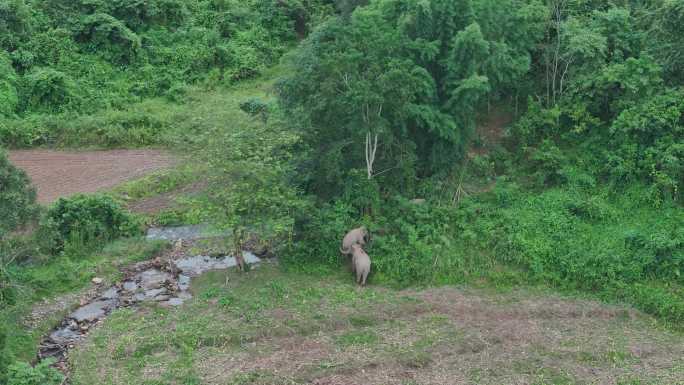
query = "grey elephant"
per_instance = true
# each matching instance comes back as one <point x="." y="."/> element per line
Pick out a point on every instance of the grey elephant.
<point x="356" y="236"/>
<point x="361" y="264"/>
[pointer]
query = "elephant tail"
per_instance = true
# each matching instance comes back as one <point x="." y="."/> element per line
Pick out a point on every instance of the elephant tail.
<point x="343" y="251"/>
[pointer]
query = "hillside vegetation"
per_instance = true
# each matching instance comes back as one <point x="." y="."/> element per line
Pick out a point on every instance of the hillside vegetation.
<point x="488" y="143"/>
<point x="70" y="69"/>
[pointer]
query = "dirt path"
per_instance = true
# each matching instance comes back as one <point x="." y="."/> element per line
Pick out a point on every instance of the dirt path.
<point x="59" y="173"/>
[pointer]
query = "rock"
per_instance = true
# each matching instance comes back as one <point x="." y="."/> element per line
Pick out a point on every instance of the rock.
<point x="64" y="336"/>
<point x="130" y="286"/>
<point x="139" y="297"/>
<point x="184" y="295"/>
<point x="199" y="264"/>
<point x="153" y="278"/>
<point x="111" y="293"/>
<point x="97" y="280"/>
<point x="92" y="311"/>
<point x="154" y="292"/>
<point x="183" y="282"/>
<point x="173" y="302"/>
<point x="161" y="298"/>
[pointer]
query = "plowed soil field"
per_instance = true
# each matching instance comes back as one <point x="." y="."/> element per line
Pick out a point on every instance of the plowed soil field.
<point x="60" y="173"/>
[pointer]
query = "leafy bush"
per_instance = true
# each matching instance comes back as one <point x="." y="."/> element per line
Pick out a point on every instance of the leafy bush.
<point x="48" y="90"/>
<point x="319" y="235"/>
<point x="21" y="373"/>
<point x="82" y="220"/>
<point x="17" y="197"/>
<point x="108" y="36"/>
<point x="254" y="106"/>
<point x="411" y="243"/>
<point x="249" y="187"/>
<point x="9" y="98"/>
<point x="592" y="241"/>
<point x="4" y="359"/>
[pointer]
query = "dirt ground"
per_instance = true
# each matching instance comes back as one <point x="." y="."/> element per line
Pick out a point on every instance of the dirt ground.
<point x="60" y="173"/>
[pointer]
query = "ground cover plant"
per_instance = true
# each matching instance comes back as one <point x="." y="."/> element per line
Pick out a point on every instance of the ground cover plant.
<point x="270" y="327"/>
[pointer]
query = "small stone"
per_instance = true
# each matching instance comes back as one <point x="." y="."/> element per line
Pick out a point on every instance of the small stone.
<point x="84" y="328"/>
<point x="154" y="292"/>
<point x="175" y="301"/>
<point x="111" y="293"/>
<point x="183" y="282"/>
<point x="63" y="336"/>
<point x="130" y="286"/>
<point x="92" y="311"/>
<point x="153" y="279"/>
<point x="97" y="280"/>
<point x="161" y="298"/>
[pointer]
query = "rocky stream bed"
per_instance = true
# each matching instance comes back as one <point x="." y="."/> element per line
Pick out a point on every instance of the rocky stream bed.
<point x="164" y="281"/>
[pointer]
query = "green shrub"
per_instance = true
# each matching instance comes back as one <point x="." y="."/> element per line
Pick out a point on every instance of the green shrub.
<point x="592" y="241"/>
<point x="82" y="220"/>
<point x="48" y="90"/>
<point x="17" y="197"/>
<point x="411" y="244"/>
<point x="108" y="36"/>
<point x="319" y="235"/>
<point x="254" y="106"/>
<point x="26" y="132"/>
<point x="21" y="373"/>
<point x="4" y="359"/>
<point x="9" y="99"/>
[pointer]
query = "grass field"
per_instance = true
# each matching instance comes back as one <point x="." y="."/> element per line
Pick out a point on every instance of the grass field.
<point x="272" y="327"/>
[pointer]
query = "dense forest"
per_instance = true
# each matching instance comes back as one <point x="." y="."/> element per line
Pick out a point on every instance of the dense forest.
<point x="378" y="117"/>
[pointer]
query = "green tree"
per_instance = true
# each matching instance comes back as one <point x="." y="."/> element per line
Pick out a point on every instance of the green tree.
<point x="16" y="23"/>
<point x="9" y="98"/>
<point x="4" y="359"/>
<point x="250" y="188"/>
<point x="411" y="73"/>
<point x="667" y="34"/>
<point x="17" y="197"/>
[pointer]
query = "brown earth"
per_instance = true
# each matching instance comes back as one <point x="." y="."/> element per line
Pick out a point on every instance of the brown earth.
<point x="61" y="173"/>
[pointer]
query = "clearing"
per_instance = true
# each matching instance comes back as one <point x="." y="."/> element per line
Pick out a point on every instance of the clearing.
<point x="58" y="174"/>
<point x="273" y="327"/>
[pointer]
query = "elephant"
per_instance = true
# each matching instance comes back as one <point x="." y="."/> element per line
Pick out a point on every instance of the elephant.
<point x="361" y="264"/>
<point x="355" y="236"/>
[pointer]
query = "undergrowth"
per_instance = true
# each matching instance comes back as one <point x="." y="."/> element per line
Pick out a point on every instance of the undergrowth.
<point x="590" y="241"/>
